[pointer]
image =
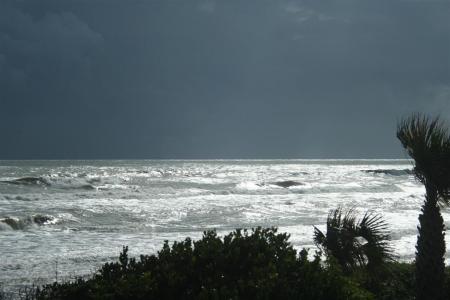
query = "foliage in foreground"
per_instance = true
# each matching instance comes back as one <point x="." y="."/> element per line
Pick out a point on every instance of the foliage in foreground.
<point x="261" y="264"/>
<point x="427" y="141"/>
<point x="360" y="246"/>
<point x="355" y="243"/>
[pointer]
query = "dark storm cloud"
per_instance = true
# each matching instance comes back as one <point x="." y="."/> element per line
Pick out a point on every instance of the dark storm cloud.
<point x="51" y="45"/>
<point x="202" y="79"/>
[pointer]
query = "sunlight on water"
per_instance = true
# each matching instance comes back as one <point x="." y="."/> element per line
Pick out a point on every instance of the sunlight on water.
<point x="76" y="215"/>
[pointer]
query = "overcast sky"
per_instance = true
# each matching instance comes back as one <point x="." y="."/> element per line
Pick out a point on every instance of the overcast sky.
<point x="218" y="79"/>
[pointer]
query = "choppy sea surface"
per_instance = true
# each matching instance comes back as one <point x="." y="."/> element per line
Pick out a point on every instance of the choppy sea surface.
<point x="66" y="218"/>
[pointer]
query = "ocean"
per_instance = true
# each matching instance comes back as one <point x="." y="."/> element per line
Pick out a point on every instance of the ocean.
<point x="60" y="219"/>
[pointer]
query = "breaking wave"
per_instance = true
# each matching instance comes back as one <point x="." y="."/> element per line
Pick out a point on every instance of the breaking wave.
<point x="50" y="182"/>
<point x="40" y="181"/>
<point x="13" y="223"/>
<point x="392" y="172"/>
<point x="287" y="183"/>
<point x="250" y="185"/>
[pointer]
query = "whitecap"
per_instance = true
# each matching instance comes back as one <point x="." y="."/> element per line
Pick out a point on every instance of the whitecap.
<point x="250" y="185"/>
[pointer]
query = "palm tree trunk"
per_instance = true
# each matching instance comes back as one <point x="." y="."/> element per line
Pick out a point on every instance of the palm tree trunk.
<point x="430" y="249"/>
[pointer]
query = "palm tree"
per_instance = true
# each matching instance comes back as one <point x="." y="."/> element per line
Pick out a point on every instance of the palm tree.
<point x="355" y="244"/>
<point x="427" y="142"/>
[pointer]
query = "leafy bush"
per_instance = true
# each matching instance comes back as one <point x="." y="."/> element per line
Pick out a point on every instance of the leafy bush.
<point x="260" y="264"/>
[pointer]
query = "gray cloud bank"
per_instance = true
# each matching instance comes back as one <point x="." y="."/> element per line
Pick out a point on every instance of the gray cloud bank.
<point x="218" y="79"/>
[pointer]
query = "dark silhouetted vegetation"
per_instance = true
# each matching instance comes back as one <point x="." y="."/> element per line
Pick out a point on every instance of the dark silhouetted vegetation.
<point x="257" y="265"/>
<point x="355" y="244"/>
<point x="260" y="264"/>
<point x="361" y="247"/>
<point x="427" y="142"/>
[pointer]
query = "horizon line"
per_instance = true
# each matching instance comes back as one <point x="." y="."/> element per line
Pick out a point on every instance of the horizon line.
<point x="198" y="159"/>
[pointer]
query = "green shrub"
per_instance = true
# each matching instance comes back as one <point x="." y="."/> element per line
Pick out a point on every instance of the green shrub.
<point x="260" y="264"/>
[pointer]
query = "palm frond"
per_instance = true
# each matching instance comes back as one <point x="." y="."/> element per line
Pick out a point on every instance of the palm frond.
<point x="355" y="243"/>
<point x="427" y="142"/>
<point x="375" y="231"/>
